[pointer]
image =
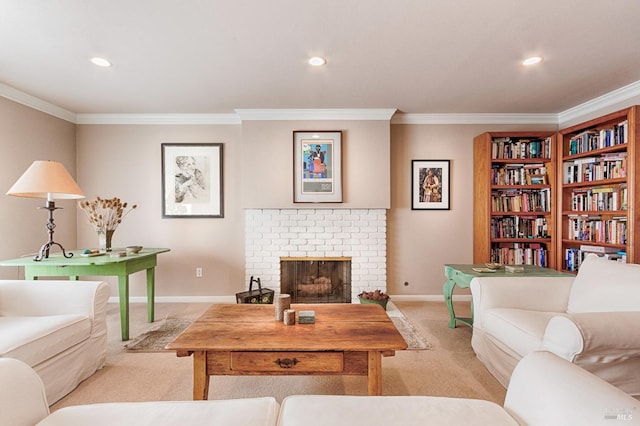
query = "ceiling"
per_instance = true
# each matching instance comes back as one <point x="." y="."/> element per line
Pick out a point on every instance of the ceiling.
<point x="416" y="56"/>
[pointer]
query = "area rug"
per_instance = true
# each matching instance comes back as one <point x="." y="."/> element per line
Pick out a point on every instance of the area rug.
<point x="156" y="338"/>
<point x="411" y="335"/>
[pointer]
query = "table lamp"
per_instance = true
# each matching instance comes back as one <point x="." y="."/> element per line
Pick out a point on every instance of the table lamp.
<point x="50" y="180"/>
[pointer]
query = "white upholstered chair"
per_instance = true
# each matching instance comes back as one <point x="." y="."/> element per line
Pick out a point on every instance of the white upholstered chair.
<point x="592" y="320"/>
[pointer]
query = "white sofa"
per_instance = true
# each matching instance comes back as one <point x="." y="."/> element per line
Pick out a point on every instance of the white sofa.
<point x="57" y="327"/>
<point x="592" y="320"/>
<point x="545" y="390"/>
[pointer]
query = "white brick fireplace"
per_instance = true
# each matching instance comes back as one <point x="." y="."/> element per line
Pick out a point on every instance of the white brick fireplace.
<point x="360" y="234"/>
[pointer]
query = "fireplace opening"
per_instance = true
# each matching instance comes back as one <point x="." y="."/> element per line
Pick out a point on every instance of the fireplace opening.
<point x="316" y="280"/>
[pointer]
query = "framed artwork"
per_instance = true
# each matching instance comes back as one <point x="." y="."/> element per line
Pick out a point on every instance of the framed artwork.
<point x="317" y="167"/>
<point x="430" y="185"/>
<point x="192" y="180"/>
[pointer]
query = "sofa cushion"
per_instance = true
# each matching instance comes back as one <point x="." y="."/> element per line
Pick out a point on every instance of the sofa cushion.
<point x="232" y="412"/>
<point x="334" y="410"/>
<point x="547" y="390"/>
<point x="36" y="339"/>
<point x="522" y="330"/>
<point x="604" y="285"/>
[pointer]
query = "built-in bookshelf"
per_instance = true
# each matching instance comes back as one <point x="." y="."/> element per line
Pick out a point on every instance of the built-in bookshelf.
<point x="597" y="170"/>
<point x="514" y="198"/>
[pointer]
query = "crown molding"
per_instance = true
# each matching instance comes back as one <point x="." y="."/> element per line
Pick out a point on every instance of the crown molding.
<point x="316" y="114"/>
<point x="168" y="119"/>
<point x="594" y="105"/>
<point x="36" y="103"/>
<point x="608" y="99"/>
<point x="475" y="119"/>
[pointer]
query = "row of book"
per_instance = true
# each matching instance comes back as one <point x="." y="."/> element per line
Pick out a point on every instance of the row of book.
<point x="595" y="229"/>
<point x="598" y="139"/>
<point x="519" y="227"/>
<point x="606" y="166"/>
<point x="521" y="254"/>
<point x="610" y="198"/>
<point x="519" y="148"/>
<point x="518" y="174"/>
<point x="521" y="200"/>
<point x="573" y="257"/>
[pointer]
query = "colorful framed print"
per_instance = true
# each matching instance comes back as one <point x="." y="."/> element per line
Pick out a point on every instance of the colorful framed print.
<point x="192" y="184"/>
<point x="430" y="185"/>
<point x="317" y="167"/>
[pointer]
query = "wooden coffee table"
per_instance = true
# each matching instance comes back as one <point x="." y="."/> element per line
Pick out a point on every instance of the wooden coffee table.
<point x="244" y="339"/>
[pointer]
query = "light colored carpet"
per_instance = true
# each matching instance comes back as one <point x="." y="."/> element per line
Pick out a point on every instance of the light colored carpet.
<point x="450" y="368"/>
<point x="163" y="332"/>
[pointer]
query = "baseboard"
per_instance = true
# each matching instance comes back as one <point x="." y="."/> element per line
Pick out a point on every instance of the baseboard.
<point x="180" y="299"/>
<point x="429" y="298"/>
<point x="232" y="299"/>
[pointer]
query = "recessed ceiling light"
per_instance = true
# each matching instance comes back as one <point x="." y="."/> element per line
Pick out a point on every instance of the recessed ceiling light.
<point x="317" y="61"/>
<point x="101" y="62"/>
<point x="532" y="60"/>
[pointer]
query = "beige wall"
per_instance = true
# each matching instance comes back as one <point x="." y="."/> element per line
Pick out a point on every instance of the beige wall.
<point x="27" y="135"/>
<point x="267" y="163"/>
<point x="124" y="161"/>
<point x="420" y="242"/>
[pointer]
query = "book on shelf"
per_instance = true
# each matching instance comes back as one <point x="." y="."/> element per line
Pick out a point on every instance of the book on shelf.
<point x="598" y="249"/>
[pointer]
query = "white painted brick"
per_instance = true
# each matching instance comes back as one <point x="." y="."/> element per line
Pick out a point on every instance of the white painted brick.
<point x="357" y="233"/>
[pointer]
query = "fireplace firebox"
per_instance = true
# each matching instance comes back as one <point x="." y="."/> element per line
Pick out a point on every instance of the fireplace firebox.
<point x="316" y="280"/>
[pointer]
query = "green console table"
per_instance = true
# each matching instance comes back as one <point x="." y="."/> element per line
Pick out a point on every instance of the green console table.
<point x="461" y="276"/>
<point x="78" y="265"/>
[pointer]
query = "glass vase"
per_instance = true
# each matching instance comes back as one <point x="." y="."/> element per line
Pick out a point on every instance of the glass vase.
<point x="104" y="239"/>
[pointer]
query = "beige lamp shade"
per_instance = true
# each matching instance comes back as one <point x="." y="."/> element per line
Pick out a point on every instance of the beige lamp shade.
<point x="46" y="179"/>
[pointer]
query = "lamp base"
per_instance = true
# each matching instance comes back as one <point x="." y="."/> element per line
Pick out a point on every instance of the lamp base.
<point x="44" y="250"/>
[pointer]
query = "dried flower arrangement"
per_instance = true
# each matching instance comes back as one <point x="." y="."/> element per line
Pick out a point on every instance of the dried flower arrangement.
<point x="105" y="214"/>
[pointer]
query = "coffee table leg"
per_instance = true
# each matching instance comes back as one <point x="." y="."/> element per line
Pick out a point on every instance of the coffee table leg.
<point x="200" y="376"/>
<point x="375" y="373"/>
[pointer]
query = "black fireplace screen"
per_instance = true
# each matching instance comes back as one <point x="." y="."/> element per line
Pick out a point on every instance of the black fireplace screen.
<point x="316" y="280"/>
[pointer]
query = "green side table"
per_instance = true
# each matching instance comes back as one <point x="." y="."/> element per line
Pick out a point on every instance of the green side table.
<point x="461" y="275"/>
<point x="59" y="266"/>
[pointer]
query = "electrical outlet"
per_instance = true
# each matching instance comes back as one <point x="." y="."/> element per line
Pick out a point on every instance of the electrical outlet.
<point x="198" y="272"/>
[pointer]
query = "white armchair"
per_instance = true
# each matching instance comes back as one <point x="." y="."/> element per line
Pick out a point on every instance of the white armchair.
<point x="59" y="328"/>
<point x="592" y="320"/>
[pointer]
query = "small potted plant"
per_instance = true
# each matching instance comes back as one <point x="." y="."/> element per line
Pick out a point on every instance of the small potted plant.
<point x="377" y="297"/>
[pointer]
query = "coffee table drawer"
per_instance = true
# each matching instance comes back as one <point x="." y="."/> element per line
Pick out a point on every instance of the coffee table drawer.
<point x="287" y="361"/>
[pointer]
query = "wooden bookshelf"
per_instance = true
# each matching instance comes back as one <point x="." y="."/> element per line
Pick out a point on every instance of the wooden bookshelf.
<point x="514" y="198"/>
<point x="598" y="185"/>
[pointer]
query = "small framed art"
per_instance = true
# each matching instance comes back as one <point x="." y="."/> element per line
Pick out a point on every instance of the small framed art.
<point x="192" y="185"/>
<point x="430" y="185"/>
<point x="317" y="167"/>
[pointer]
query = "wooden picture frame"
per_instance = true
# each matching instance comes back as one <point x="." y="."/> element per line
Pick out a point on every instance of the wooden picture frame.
<point x="317" y="167"/>
<point x="430" y="184"/>
<point x="192" y="180"/>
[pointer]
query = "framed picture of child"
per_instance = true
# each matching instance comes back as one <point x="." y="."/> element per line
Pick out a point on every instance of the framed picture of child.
<point x="430" y="185"/>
